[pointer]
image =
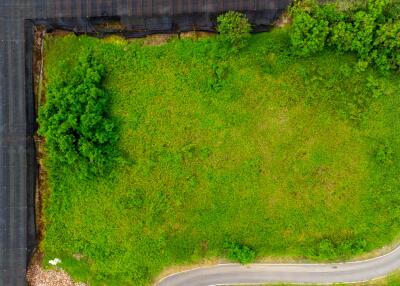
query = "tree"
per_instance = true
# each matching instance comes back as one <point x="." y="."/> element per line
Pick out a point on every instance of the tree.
<point x="234" y="29"/>
<point x="78" y="132"/>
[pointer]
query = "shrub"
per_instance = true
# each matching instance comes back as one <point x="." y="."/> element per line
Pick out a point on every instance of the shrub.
<point x="372" y="32"/>
<point x="328" y="249"/>
<point x="384" y="154"/>
<point x="387" y="41"/>
<point x="239" y="252"/>
<point x="234" y="29"/>
<point x="218" y="76"/>
<point x="342" y="36"/>
<point x="309" y="33"/>
<point x="74" y="120"/>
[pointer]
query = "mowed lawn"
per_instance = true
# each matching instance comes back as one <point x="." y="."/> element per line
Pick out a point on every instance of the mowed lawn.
<point x="295" y="158"/>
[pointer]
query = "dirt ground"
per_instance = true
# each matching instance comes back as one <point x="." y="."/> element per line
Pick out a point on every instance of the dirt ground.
<point x="37" y="276"/>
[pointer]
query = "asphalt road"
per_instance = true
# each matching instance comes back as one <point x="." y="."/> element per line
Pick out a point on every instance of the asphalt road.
<point x="234" y="274"/>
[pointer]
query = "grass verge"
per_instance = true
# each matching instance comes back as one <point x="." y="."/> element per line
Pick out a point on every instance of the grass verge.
<point x="291" y="157"/>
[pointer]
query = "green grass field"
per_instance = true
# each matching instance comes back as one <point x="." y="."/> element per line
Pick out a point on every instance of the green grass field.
<point x="295" y="158"/>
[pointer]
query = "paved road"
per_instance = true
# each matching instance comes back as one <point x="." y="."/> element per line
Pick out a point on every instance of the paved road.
<point x="234" y="274"/>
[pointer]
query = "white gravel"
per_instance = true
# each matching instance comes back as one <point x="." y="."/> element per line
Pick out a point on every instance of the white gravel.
<point x="37" y="276"/>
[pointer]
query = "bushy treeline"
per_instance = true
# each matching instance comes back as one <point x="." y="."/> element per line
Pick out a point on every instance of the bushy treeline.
<point x="372" y="32"/>
<point x="78" y="132"/>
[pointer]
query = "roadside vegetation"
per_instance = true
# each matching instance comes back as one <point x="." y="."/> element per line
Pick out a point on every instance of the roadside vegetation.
<point x="277" y="144"/>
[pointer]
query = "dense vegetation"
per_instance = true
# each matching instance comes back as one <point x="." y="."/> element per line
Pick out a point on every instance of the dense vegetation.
<point x="227" y="155"/>
<point x="372" y="32"/>
<point x="239" y="252"/>
<point x="79" y="135"/>
<point x="234" y="29"/>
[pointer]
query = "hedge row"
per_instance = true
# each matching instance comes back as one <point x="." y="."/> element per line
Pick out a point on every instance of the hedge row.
<point x="372" y="32"/>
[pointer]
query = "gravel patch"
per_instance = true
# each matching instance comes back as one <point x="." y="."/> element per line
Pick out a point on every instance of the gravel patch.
<point x="37" y="276"/>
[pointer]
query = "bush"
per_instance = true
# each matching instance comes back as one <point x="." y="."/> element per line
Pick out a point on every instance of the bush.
<point x="372" y="32"/>
<point x="342" y="36"/>
<point x="387" y="41"/>
<point x="239" y="252"/>
<point x="234" y="29"/>
<point x="385" y="154"/>
<point x="309" y="34"/>
<point x="328" y="249"/>
<point x="74" y="121"/>
<point x="218" y="76"/>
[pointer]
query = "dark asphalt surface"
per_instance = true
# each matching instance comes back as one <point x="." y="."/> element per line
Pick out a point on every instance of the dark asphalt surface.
<point x="17" y="153"/>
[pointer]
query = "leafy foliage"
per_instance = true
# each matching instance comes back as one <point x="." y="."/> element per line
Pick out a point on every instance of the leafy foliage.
<point x="218" y="76"/>
<point x="74" y="120"/>
<point x="239" y="252"/>
<point x="372" y="32"/>
<point x="234" y="29"/>
<point x="327" y="248"/>
<point x="309" y="33"/>
<point x="385" y="154"/>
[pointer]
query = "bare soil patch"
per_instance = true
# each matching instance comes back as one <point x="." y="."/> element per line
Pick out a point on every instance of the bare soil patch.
<point x="37" y="276"/>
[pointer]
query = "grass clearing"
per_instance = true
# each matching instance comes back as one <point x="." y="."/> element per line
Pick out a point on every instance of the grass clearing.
<point x="292" y="157"/>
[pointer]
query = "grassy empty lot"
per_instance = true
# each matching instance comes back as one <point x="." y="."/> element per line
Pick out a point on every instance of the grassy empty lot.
<point x="293" y="157"/>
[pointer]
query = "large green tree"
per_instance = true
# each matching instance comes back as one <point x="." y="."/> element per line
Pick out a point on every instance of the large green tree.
<point x="74" y="120"/>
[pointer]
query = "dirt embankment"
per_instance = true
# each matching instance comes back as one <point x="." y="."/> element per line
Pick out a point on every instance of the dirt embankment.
<point x="36" y="274"/>
<point x="38" y="85"/>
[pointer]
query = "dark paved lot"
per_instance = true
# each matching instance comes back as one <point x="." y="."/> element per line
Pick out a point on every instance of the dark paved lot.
<point x="17" y="153"/>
